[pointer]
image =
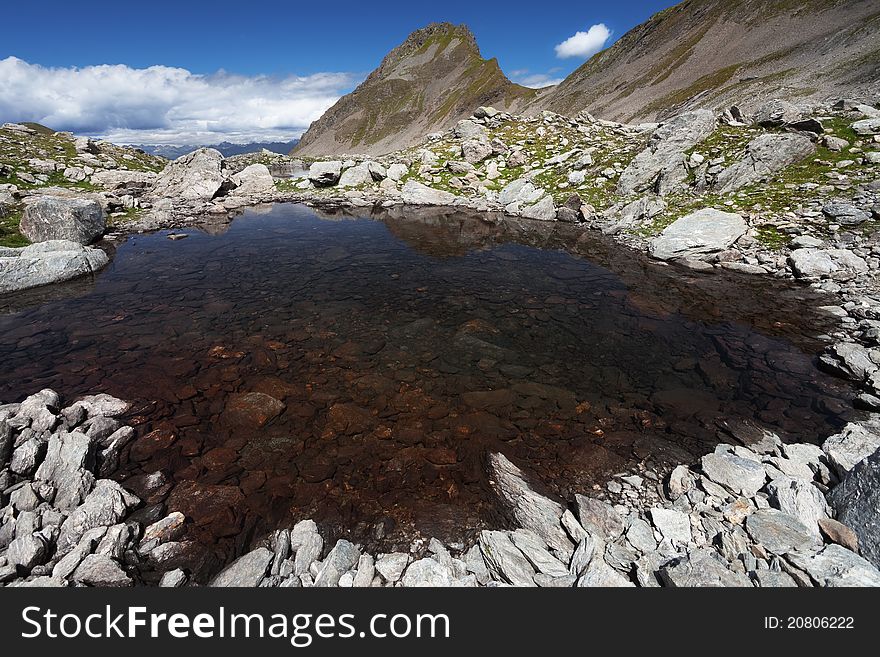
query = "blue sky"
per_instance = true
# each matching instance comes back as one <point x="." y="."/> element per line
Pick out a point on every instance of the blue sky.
<point x="257" y="59"/>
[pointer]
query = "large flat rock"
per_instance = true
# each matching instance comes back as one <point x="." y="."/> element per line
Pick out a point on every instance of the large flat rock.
<point x="698" y="234"/>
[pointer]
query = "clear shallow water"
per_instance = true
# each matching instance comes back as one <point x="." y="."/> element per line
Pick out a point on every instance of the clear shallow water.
<point x="405" y="347"/>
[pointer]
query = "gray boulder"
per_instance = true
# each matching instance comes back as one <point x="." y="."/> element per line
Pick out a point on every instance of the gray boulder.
<point x="504" y="559"/>
<point x="325" y="174"/>
<point x="837" y="566"/>
<point x="100" y="570"/>
<point x="817" y="263"/>
<point x="48" y="262"/>
<point x="106" y="505"/>
<point x="765" y="155"/>
<point x="428" y="572"/>
<point x="698" y="234"/>
<point x="253" y="180"/>
<point x="740" y="475"/>
<point x="780" y="532"/>
<point x="777" y="112"/>
<point x="196" y="176"/>
<point x="661" y="166"/>
<point x="856" y="501"/>
<point x="246" y="571"/>
<point x="356" y="176"/>
<point x="867" y="127"/>
<point x="48" y="218"/>
<point x="415" y="193"/>
<point x="308" y="544"/>
<point x="701" y="568"/>
<point x="543" y="210"/>
<point x="342" y="558"/>
<point x="527" y="508"/>
<point x="599" y="518"/>
<point x="68" y="467"/>
<point x="847" y="448"/>
<point x="845" y="213"/>
<point x="391" y="566"/>
<point x="800" y="499"/>
<point x="27" y="551"/>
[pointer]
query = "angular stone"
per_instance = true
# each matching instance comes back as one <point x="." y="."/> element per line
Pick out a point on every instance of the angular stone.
<point x="661" y="166"/>
<point x="53" y="218"/>
<point x="504" y="559"/>
<point x="366" y="570"/>
<point x="698" y="234"/>
<point x="856" y="501"/>
<point x="837" y="532"/>
<point x="849" y="447"/>
<point x="817" y="263"/>
<point x="527" y="508"/>
<point x="700" y="568"/>
<point x="106" y="505"/>
<point x="49" y="262"/>
<point x="342" y="558"/>
<point x="673" y="525"/>
<point x="173" y="579"/>
<point x="740" y="475"/>
<point x="68" y="467"/>
<point x="391" y="566"/>
<point x="599" y="517"/>
<point x="308" y="545"/>
<point x="100" y="570"/>
<point x="428" y="572"/>
<point x="27" y="551"/>
<point x="800" y="499"/>
<point x="780" y="532"/>
<point x="535" y="550"/>
<point x="254" y="179"/>
<point x="247" y="570"/>
<point x="836" y="566"/>
<point x="169" y="528"/>
<point x="765" y="155"/>
<point x="415" y="193"/>
<point x="196" y="176"/>
<point x="252" y="409"/>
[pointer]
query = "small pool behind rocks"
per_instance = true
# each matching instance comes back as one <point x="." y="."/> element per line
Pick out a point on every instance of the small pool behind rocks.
<point x="358" y="370"/>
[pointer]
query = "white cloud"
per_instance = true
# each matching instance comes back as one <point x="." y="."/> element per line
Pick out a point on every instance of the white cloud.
<point x="584" y="44"/>
<point x="164" y="105"/>
<point x="535" y="80"/>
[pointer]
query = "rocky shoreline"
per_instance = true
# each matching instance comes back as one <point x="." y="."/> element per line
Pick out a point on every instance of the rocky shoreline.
<point x="755" y="512"/>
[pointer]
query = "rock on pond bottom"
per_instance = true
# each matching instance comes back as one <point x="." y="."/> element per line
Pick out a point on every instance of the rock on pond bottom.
<point x="359" y="370"/>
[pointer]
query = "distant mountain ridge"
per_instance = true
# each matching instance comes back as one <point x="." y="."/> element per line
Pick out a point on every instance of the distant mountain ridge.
<point x="714" y="53"/>
<point x="228" y="149"/>
<point x="432" y="80"/>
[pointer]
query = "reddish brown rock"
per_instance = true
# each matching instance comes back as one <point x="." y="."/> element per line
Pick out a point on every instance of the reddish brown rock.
<point x="148" y="445"/>
<point x="348" y="419"/>
<point x="837" y="532"/>
<point x="251" y="410"/>
<point x="219" y="508"/>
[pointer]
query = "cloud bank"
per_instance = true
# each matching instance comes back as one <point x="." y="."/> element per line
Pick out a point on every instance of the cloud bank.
<point x="584" y="44"/>
<point x="165" y="105"/>
<point x="536" y="80"/>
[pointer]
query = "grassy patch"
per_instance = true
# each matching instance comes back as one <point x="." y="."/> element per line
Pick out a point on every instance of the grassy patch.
<point x="9" y="233"/>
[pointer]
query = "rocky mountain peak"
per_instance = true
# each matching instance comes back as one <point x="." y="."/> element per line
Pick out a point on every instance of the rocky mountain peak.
<point x="433" y="79"/>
